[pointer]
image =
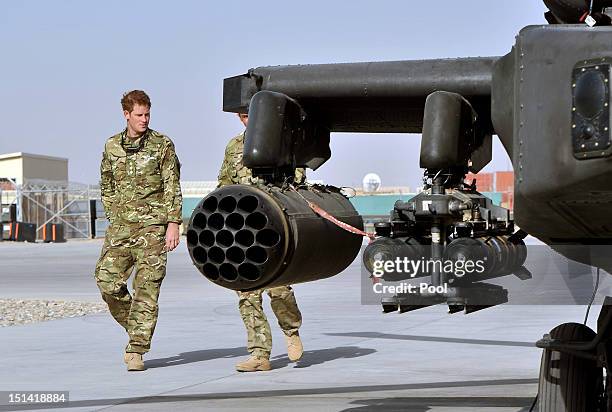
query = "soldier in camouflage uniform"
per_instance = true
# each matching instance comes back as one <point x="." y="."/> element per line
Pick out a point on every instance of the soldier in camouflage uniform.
<point x="282" y="299"/>
<point x="142" y="199"/>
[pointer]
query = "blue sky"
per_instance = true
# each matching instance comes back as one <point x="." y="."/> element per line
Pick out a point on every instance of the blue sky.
<point x="66" y="63"/>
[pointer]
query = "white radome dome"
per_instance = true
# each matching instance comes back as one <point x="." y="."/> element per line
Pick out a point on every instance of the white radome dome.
<point x="371" y="182"/>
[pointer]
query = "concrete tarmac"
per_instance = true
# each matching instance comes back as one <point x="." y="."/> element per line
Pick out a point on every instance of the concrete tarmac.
<point x="356" y="358"/>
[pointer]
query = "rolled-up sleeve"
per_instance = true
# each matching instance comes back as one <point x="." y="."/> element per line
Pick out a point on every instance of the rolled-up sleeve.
<point x="107" y="187"/>
<point x="225" y="176"/>
<point x="171" y="177"/>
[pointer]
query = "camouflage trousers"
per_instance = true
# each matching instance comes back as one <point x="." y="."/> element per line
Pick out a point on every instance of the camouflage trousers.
<point x="285" y="308"/>
<point x="127" y="247"/>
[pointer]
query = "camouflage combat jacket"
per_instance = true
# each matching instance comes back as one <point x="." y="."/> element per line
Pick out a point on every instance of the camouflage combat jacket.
<point x="140" y="180"/>
<point x="233" y="171"/>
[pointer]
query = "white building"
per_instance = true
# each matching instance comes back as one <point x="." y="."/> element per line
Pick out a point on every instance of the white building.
<point x="22" y="167"/>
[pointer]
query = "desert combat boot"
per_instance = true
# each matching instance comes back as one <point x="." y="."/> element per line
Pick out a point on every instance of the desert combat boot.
<point x="254" y="364"/>
<point x="295" y="350"/>
<point x="134" y="361"/>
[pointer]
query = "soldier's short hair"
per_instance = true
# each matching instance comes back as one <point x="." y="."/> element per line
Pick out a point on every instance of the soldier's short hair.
<point x="134" y="97"/>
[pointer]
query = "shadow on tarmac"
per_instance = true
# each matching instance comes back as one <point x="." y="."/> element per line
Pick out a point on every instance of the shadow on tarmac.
<point x="424" y="404"/>
<point x="319" y="356"/>
<point x="377" y="335"/>
<point x="196" y="356"/>
<point x="310" y="358"/>
<point x="421" y="403"/>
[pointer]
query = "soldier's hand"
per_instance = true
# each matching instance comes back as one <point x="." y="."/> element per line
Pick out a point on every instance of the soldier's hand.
<point x="172" y="236"/>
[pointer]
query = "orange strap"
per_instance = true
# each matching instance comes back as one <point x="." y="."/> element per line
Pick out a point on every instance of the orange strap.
<point x="44" y="233"/>
<point x="16" y="231"/>
<point x="317" y="209"/>
<point x="53" y="232"/>
<point x="583" y="17"/>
